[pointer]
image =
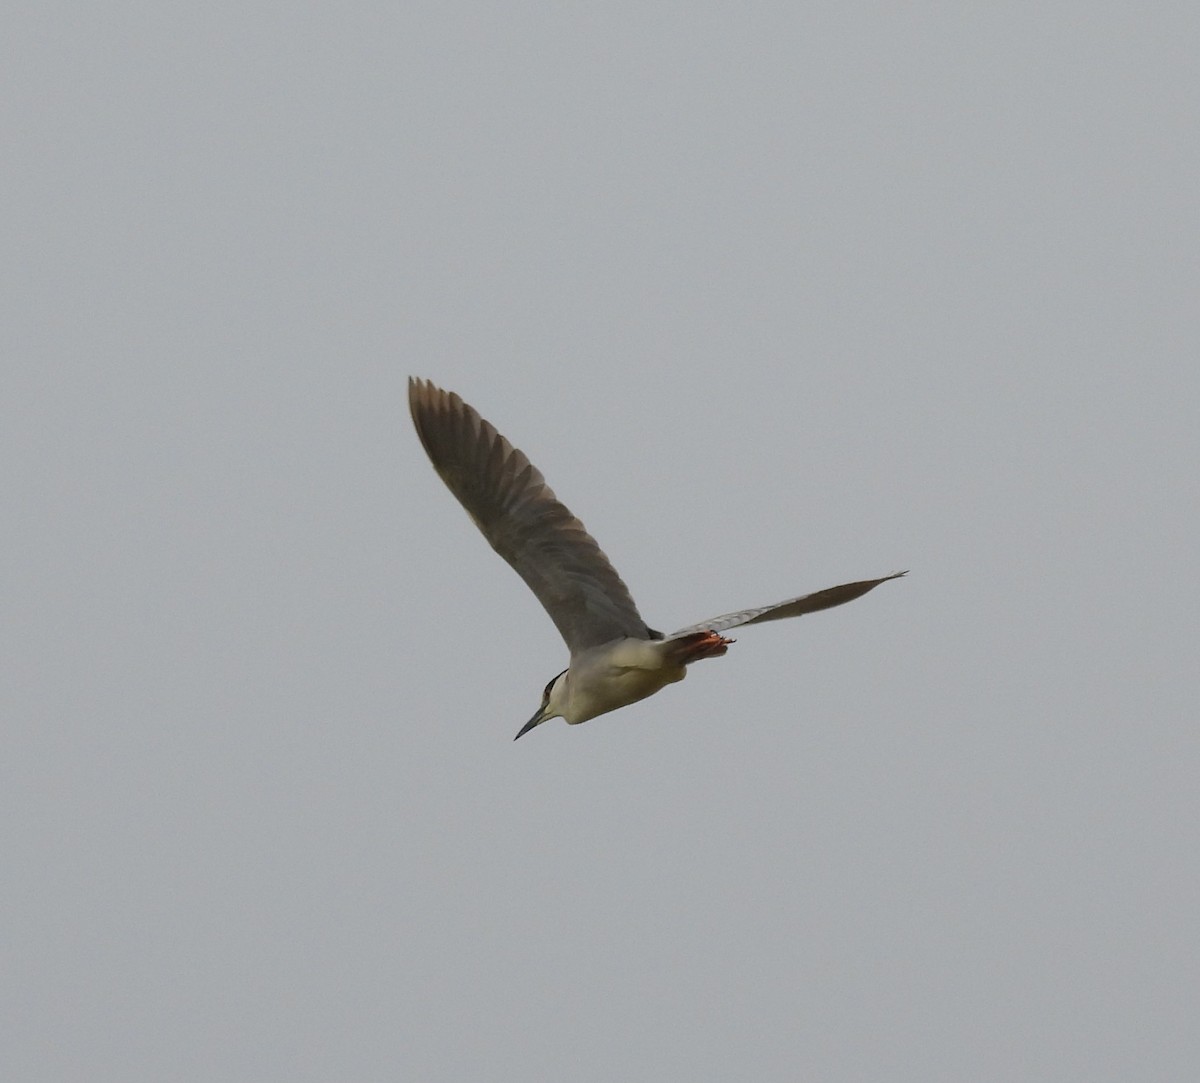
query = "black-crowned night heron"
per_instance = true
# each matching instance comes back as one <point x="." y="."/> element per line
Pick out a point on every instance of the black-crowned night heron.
<point x="616" y="659"/>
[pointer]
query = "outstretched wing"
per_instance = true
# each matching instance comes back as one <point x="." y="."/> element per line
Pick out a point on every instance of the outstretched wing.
<point x="518" y="513"/>
<point x="794" y="607"/>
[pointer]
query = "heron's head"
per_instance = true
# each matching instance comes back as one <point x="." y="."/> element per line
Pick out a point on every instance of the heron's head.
<point x="554" y="699"/>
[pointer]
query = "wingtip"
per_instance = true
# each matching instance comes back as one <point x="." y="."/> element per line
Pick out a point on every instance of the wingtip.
<point x="418" y="387"/>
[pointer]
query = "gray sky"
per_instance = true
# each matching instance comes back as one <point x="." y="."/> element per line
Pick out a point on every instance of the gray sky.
<point x="777" y="296"/>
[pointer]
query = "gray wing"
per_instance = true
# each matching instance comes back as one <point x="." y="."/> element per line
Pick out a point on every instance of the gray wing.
<point x="794" y="607"/>
<point x="520" y="516"/>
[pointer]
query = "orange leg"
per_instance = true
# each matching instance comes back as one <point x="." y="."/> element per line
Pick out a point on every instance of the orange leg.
<point x="700" y="645"/>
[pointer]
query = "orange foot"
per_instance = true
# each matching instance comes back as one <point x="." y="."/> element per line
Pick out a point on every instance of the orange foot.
<point x="701" y="645"/>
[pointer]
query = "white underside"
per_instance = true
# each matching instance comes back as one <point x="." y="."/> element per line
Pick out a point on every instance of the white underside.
<point x="614" y="675"/>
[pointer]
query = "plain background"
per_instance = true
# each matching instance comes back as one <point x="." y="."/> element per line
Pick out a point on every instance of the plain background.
<point x="778" y="296"/>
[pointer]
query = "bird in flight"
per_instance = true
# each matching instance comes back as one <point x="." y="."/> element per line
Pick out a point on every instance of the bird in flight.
<point x="616" y="658"/>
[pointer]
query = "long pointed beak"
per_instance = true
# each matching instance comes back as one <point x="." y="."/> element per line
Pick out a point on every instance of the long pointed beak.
<point x="537" y="719"/>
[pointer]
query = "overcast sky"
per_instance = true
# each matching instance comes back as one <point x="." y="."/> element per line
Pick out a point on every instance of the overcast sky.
<point x="777" y="296"/>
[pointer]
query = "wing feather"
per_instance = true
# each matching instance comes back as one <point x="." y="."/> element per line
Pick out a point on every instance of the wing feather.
<point x="793" y="607"/>
<point x="522" y="519"/>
